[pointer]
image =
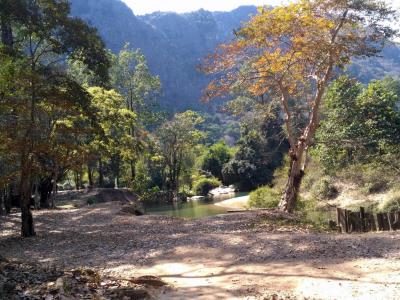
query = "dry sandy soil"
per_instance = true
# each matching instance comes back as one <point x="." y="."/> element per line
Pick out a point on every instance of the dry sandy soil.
<point x="233" y="256"/>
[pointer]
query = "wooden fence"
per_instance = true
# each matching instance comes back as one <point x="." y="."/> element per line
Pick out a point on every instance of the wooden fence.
<point x="361" y="221"/>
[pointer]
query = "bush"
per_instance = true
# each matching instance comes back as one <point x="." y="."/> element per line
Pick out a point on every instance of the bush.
<point x="264" y="197"/>
<point x="324" y="189"/>
<point x="371" y="178"/>
<point x="392" y="203"/>
<point x="204" y="185"/>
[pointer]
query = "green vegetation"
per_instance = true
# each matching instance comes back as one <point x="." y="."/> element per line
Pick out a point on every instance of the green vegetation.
<point x="75" y="115"/>
<point x="264" y="197"/>
<point x="325" y="189"/>
<point x="204" y="185"/>
<point x="217" y="155"/>
<point x="392" y="203"/>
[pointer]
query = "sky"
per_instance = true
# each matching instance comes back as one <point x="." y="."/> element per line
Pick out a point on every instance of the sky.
<point x="141" y="7"/>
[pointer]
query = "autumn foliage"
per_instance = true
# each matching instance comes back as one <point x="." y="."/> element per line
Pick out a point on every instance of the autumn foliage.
<point x="289" y="54"/>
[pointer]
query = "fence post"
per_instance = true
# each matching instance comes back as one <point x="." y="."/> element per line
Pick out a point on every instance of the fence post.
<point x="363" y="220"/>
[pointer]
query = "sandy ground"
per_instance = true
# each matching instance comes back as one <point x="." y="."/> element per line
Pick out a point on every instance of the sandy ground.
<point x="235" y="203"/>
<point x="233" y="256"/>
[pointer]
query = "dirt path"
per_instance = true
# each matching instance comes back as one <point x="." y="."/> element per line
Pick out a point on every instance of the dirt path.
<point x="223" y="257"/>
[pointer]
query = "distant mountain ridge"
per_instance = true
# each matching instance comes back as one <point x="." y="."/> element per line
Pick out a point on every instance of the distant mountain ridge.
<point x="175" y="44"/>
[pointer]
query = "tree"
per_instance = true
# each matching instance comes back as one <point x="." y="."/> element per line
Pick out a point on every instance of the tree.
<point x="360" y="125"/>
<point x="116" y="142"/>
<point x="131" y="77"/>
<point x="42" y="35"/>
<point x="260" y="152"/>
<point x="217" y="155"/>
<point x="176" y="139"/>
<point x="290" y="53"/>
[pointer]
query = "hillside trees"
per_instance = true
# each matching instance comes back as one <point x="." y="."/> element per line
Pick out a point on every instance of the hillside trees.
<point x="115" y="144"/>
<point x="175" y="141"/>
<point x="289" y="55"/>
<point x="34" y="86"/>
<point x="360" y="125"/>
<point x="260" y="151"/>
<point x="217" y="155"/>
<point x="130" y="75"/>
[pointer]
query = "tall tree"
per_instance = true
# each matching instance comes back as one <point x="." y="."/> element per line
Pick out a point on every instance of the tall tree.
<point x="290" y="54"/>
<point x="43" y="37"/>
<point x="131" y="77"/>
<point x="116" y="142"/>
<point x="176" y="139"/>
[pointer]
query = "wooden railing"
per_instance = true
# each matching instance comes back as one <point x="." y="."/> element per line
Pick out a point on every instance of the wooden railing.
<point x="361" y="221"/>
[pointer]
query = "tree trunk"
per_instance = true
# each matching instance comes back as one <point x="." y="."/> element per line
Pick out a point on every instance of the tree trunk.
<point x="133" y="170"/>
<point x="54" y="188"/>
<point x="2" y="202"/>
<point x="6" y="34"/>
<point x="45" y="191"/>
<point x="101" y="175"/>
<point x="7" y="200"/>
<point x="90" y="175"/>
<point x="292" y="189"/>
<point x="27" y="228"/>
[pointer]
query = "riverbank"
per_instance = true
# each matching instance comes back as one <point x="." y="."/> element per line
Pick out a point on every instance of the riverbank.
<point x="235" y="203"/>
<point x="231" y="256"/>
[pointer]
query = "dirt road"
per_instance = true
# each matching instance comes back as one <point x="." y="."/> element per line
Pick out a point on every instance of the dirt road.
<point x="236" y="256"/>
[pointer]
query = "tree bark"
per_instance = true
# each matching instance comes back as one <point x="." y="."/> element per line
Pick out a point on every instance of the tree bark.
<point x="27" y="228"/>
<point x="101" y="175"/>
<point x="45" y="191"/>
<point x="296" y="174"/>
<point x="7" y="199"/>
<point x="54" y="187"/>
<point x="133" y="170"/>
<point x="2" y="202"/>
<point x="90" y="175"/>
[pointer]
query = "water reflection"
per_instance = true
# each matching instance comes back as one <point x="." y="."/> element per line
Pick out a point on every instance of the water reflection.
<point x="193" y="208"/>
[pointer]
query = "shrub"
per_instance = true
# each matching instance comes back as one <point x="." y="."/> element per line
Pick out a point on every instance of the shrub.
<point x="204" y="185"/>
<point x="392" y="203"/>
<point x="371" y="178"/>
<point x="325" y="189"/>
<point x="264" y="197"/>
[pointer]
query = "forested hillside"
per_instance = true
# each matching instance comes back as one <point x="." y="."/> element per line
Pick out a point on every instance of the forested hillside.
<point x="175" y="45"/>
<point x="117" y="182"/>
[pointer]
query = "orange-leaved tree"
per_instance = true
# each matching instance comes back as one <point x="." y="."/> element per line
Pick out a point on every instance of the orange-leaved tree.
<point x="289" y="54"/>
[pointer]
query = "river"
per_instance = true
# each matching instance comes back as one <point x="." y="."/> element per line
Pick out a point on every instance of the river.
<point x="193" y="209"/>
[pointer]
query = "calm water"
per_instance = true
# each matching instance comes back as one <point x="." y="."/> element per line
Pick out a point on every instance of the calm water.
<point x="196" y="209"/>
<point x="193" y="208"/>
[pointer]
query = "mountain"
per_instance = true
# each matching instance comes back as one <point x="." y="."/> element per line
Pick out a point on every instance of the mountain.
<point x="175" y="45"/>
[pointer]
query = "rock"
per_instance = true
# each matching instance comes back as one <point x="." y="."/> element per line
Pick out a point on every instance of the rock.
<point x="181" y="197"/>
<point x="196" y="198"/>
<point x="222" y="190"/>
